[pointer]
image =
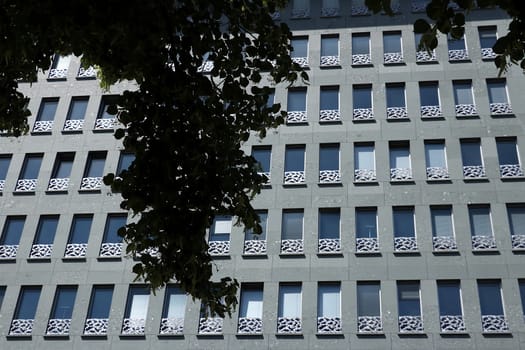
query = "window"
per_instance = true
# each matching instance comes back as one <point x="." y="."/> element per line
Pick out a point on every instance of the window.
<point x="472" y="160"/>
<point x="59" y="180"/>
<point x="392" y="50"/>
<point x="330" y="50"/>
<point x="59" y="67"/>
<point x="27" y="179"/>
<point x="404" y="229"/>
<point x="46" y="115"/>
<point x="509" y="161"/>
<point x="442" y="228"/>
<point x="255" y="244"/>
<point x="296" y="106"/>
<point x="493" y="318"/>
<point x="76" y="113"/>
<point x="436" y="160"/>
<point x="13" y="227"/>
<point x="2" y="294"/>
<point x="361" y="49"/>
<point x="422" y="54"/>
<point x="362" y="102"/>
<point x="172" y="322"/>
<point x="366" y="230"/>
<point x="294" y="165"/>
<point x="134" y="322"/>
<point x="409" y="308"/>
<point x="24" y="316"/>
<point x="329" y="230"/>
<point x="329" y="163"/>
<point x="60" y="318"/>
<point x="300" y="9"/>
<point x="78" y="236"/>
<point x="369" y="307"/>
<point x="330" y="8"/>
<point x="263" y="157"/>
<point x="359" y="8"/>
<point x="481" y="227"/>
<point x="516" y="216"/>
<point x="450" y="310"/>
<point x="106" y="117"/>
<point x="5" y="160"/>
<point x="292" y="232"/>
<point x="98" y="313"/>
<point x="93" y="171"/>
<point x="124" y="162"/>
<point x="289" y="312"/>
<point x="219" y="240"/>
<point x="251" y="309"/>
<point x="400" y="168"/>
<point x="329" y="104"/>
<point x="364" y="159"/>
<point x="207" y="324"/>
<point x="45" y="235"/>
<point x="464" y="99"/>
<point x="487" y="39"/>
<point x="112" y="243"/>
<point x="498" y="98"/>
<point x="299" y="53"/>
<point x="430" y="107"/>
<point x="521" y="286"/>
<point x="457" y="49"/>
<point x="395" y="101"/>
<point x="329" y="308"/>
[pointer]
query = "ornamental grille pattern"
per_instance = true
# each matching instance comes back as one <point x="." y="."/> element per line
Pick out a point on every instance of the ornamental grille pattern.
<point x="452" y="324"/>
<point x="405" y="244"/>
<point x="358" y="59"/>
<point x="457" y="55"/>
<point x="58" y="184"/>
<point x="96" y="326"/>
<point x="58" y="326"/>
<point x="400" y="174"/>
<point x="276" y="15"/>
<point x="437" y="173"/>
<point x="21" y="327"/>
<point x="487" y="53"/>
<point x="268" y="176"/>
<point x="494" y="324"/>
<point x="410" y="324"/>
<point x="466" y="110"/>
<point x="75" y="250"/>
<point x="302" y="61"/>
<point x="425" y="56"/>
<point x="330" y="61"/>
<point x="25" y="185"/>
<point x="367" y="245"/>
<point x="329" y="115"/>
<point x="105" y="123"/>
<point x="91" y="183"/>
<point x="444" y="243"/>
<point x="296" y="117"/>
<point x="73" y="124"/>
<point x="250" y="325"/>
<point x="289" y="325"/>
<point x="8" y="251"/>
<point x="111" y="250"/>
<point x="2" y="184"/>
<point x="41" y="251"/>
<point x="500" y="108"/>
<point x="329" y="245"/>
<point x="369" y="324"/>
<point x="430" y="111"/>
<point x="216" y="248"/>
<point x="133" y="326"/>
<point x="292" y="246"/>
<point x="300" y="13"/>
<point x="518" y="242"/>
<point x="330" y="12"/>
<point x="43" y="126"/>
<point x="393" y="57"/>
<point x="255" y="247"/>
<point x="510" y="170"/>
<point x="329" y="325"/>
<point x="171" y="326"/>
<point x="205" y="67"/>
<point x="363" y="114"/>
<point x="57" y="73"/>
<point x="210" y="325"/>
<point x="474" y="171"/>
<point x="360" y="11"/>
<point x="396" y="113"/>
<point x="419" y="6"/>
<point x="364" y="175"/>
<point x="483" y="243"/>
<point x="294" y="177"/>
<point x="89" y="72"/>
<point x="329" y="176"/>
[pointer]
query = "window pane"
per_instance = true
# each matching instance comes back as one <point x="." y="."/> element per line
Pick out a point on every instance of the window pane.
<point x="113" y="223"/>
<point x="435" y="155"/>
<point x="80" y="228"/>
<point x="329" y="157"/>
<point x="507" y="152"/>
<point x="463" y="93"/>
<point x="366" y="223"/>
<point x="522" y="295"/>
<point x="497" y="91"/>
<point x="64" y="163"/>
<point x="441" y="222"/>
<point x="391" y="42"/>
<point x="289" y="301"/>
<point x="292" y="225"/>
<point x="249" y="235"/>
<point x="31" y="167"/>
<point x="516" y="216"/>
<point x="329" y="45"/>
<point x="471" y="153"/>
<point x="399" y="157"/>
<point x="300" y="47"/>
<point x="329" y="300"/>
<point x="125" y="161"/>
<point x="221" y="228"/>
<point x="2" y="294"/>
<point x="174" y="303"/>
<point x="251" y="301"/>
<point x="395" y="95"/>
<point x="458" y="44"/>
<point x="104" y="104"/>
<point x="64" y="302"/>
<point x="487" y="37"/>
<point x="368" y="299"/>
<point x="362" y="96"/>
<point x="100" y="302"/>
<point x="404" y="222"/>
<point x="329" y="223"/>
<point x="27" y="303"/>
<point x="490" y="297"/>
<point x="364" y="157"/>
<point x="480" y="224"/>
<point x="360" y="44"/>
<point x="408" y="298"/>
<point x="449" y="298"/>
<point x="77" y="108"/>
<point x="428" y="94"/>
<point x="294" y="159"/>
<point x="47" y="110"/>
<point x="329" y="98"/>
<point x="137" y="303"/>
<point x="95" y="165"/>
<point x="4" y="165"/>
<point x="263" y="156"/>
<point x="296" y="100"/>
<point x="13" y="227"/>
<point x="47" y="227"/>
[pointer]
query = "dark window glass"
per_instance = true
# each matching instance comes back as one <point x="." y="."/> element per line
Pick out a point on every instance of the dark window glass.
<point x="249" y="235"/>
<point x="403" y="222"/>
<point x="392" y="42"/>
<point x="487" y="37"/>
<point x="449" y="295"/>
<point x="490" y="297"/>
<point x="46" y="230"/>
<point x="221" y="228"/>
<point x="408" y="298"/>
<point x="516" y="215"/>
<point x="395" y="95"/>
<point x="296" y="100"/>
<point x="31" y="166"/>
<point x="80" y="228"/>
<point x="137" y="302"/>
<point x="292" y="224"/>
<point x="125" y="161"/>
<point x="328" y="157"/>
<point x="441" y="218"/>
<point x="47" y="109"/>
<point x="263" y="156"/>
<point x="368" y="299"/>
<point x="329" y="98"/>
<point x="2" y="294"/>
<point x="300" y="47"/>
<point x="63" y="165"/>
<point x="329" y="45"/>
<point x="507" y="151"/>
<point x="13" y="227"/>
<point x="366" y="222"/>
<point x="294" y="158"/>
<point x="497" y="89"/>
<point x="362" y="96"/>
<point x="104" y="104"/>
<point x="522" y="295"/>
<point x="480" y="223"/>
<point x="463" y="92"/>
<point x="95" y="164"/>
<point x="456" y="44"/>
<point x="100" y="304"/>
<point x="361" y="44"/>
<point x="5" y="160"/>
<point x="329" y="223"/>
<point x="64" y="302"/>
<point x="471" y="153"/>
<point x="27" y="302"/>
<point x="251" y="304"/>
<point x="113" y="223"/>
<point x="429" y="94"/>
<point x="77" y="108"/>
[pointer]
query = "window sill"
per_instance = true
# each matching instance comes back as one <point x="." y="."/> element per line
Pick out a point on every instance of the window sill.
<point x="476" y="179"/>
<point x="329" y="254"/>
<point x="330" y="335"/>
<point x="512" y="178"/>
<point x="74" y="259"/>
<point x="403" y="182"/>
<point x="51" y="192"/>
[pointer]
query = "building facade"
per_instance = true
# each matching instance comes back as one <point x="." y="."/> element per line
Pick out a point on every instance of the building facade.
<point x="394" y="214"/>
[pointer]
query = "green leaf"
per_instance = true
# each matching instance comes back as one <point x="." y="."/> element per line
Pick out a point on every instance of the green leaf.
<point x="421" y="26"/>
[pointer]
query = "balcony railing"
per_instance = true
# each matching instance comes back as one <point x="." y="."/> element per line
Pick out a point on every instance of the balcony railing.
<point x="365" y="175"/>
<point x="73" y="125"/>
<point x="358" y="10"/>
<point x="518" y="242"/>
<point x="329" y="325"/>
<point x="481" y="243"/>
<point x="400" y="174"/>
<point x="396" y="113"/>
<point x="410" y="324"/>
<point x="429" y="112"/>
<point x="75" y="250"/>
<point x="255" y="247"/>
<point x="219" y="248"/>
<point x="133" y="326"/>
<point x="96" y="326"/>
<point x="363" y="114"/>
<point x="494" y="324"/>
<point x="452" y="324"/>
<point x="510" y="170"/>
<point x="43" y="126"/>
<point x="361" y="59"/>
<point x="474" y="172"/>
<point x="210" y="325"/>
<point x="295" y="117"/>
<point x="458" y="55"/>
<point x="369" y="325"/>
<point x="171" y="326"/>
<point x="289" y="325"/>
<point x="110" y="250"/>
<point x="367" y="245"/>
<point x="466" y="110"/>
<point x="58" y="184"/>
<point x="41" y="251"/>
<point x="329" y="115"/>
<point x="330" y="11"/>
<point x="405" y="244"/>
<point x="487" y="53"/>
<point x="419" y="6"/>
<point x="205" y="67"/>
<point x="58" y="326"/>
<point x="444" y="244"/>
<point x="268" y="176"/>
<point x="302" y="61"/>
<point x="294" y="177"/>
<point x="55" y="73"/>
<point x="250" y="325"/>
<point x="437" y="173"/>
<point x="329" y="245"/>
<point x="329" y="176"/>
<point x="393" y="57"/>
<point x="298" y="13"/>
<point x="330" y="61"/>
<point x="500" y="108"/>
<point x="425" y="56"/>
<point x="26" y="185"/>
<point x="8" y="251"/>
<point x="2" y="185"/>
<point x="87" y="73"/>
<point x="21" y="327"/>
<point x="91" y="183"/>
<point x="292" y="246"/>
<point x="105" y="123"/>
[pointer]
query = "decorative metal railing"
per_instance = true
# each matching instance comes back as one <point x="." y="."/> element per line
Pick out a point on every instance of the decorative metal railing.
<point x="396" y="113"/>
<point x="133" y="326"/>
<point x="21" y="327"/>
<point x="494" y="324"/>
<point x="55" y="73"/>
<point x="458" y="55"/>
<point x="329" y="245"/>
<point x="393" y="57"/>
<point x="26" y="185"/>
<point x="444" y="243"/>
<point x="329" y="115"/>
<point x="96" y="326"/>
<point x="75" y="250"/>
<point x="294" y="117"/>
<point x="218" y="248"/>
<point x="329" y="176"/>
<point x="400" y="174"/>
<point x="487" y="53"/>
<point x="41" y="251"/>
<point x="452" y="324"/>
<point x="474" y="172"/>
<point x="292" y="246"/>
<point x="111" y="250"/>
<point x="430" y="112"/>
<point x="425" y="56"/>
<point x="8" y="251"/>
<point x="363" y="114"/>
<point x="510" y="170"/>
<point x="367" y="245"/>
<point x="437" y="173"/>
<point x="405" y="244"/>
<point x="329" y="11"/>
<point x="91" y="183"/>
<point x="58" y="326"/>
<point x="365" y="175"/>
<point x="86" y="73"/>
<point x="329" y="325"/>
<point x="298" y="13"/>
<point x="73" y="125"/>
<point x="250" y="325"/>
<point x="289" y="325"/>
<point x="466" y="110"/>
<point x="518" y="242"/>
<point x="500" y="108"/>
<point x="294" y="177"/>
<point x="302" y="61"/>
<point x="58" y="184"/>
<point x="480" y="243"/>
<point x="410" y="324"/>
<point x="105" y="123"/>
<point x="330" y="61"/>
<point x="171" y="326"/>
<point x="361" y="59"/>
<point x="210" y="325"/>
<point x="43" y="126"/>
<point x="360" y="10"/>
<point x="255" y="247"/>
<point x="369" y="325"/>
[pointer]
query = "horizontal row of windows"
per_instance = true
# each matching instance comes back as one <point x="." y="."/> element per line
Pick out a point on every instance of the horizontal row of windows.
<point x="370" y="303"/>
<point x="400" y="160"/>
